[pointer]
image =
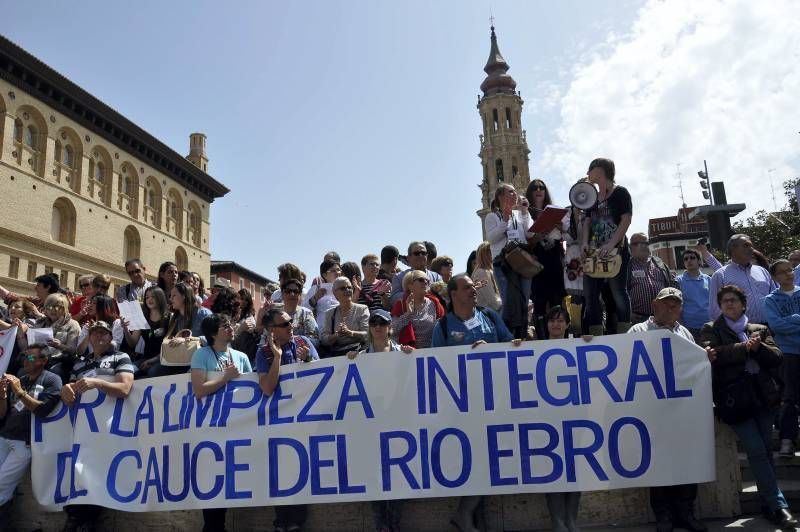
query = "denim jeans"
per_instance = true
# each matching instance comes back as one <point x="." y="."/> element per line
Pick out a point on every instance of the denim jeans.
<point x="791" y="395"/>
<point x="618" y="285"/>
<point x="756" y="437"/>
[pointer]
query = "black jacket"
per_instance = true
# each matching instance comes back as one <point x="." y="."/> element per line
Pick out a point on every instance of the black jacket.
<point x="732" y="354"/>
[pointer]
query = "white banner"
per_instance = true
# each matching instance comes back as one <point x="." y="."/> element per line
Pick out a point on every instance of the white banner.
<point x="563" y="415"/>
<point x="7" y="339"/>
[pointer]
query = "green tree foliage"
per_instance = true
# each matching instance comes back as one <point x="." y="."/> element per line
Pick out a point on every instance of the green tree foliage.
<point x="775" y="234"/>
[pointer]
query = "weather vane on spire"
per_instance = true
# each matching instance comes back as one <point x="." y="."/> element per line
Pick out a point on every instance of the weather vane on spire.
<point x="491" y="17"/>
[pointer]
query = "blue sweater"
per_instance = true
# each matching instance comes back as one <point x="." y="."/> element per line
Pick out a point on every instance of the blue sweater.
<point x="783" y="317"/>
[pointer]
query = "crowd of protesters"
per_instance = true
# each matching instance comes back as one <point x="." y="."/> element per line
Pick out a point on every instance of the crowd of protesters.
<point x="746" y="316"/>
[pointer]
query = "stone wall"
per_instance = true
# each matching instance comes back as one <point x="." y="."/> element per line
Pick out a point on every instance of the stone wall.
<point x="514" y="512"/>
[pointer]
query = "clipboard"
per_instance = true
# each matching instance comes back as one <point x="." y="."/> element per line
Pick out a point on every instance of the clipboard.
<point x="550" y="218"/>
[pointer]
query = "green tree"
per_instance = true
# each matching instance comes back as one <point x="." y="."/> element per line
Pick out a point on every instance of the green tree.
<point x="775" y="234"/>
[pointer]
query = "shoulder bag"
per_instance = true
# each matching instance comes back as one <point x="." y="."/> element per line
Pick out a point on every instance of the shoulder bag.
<point x="181" y="354"/>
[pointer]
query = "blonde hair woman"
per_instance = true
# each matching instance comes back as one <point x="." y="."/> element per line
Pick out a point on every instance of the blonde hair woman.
<point x="488" y="293"/>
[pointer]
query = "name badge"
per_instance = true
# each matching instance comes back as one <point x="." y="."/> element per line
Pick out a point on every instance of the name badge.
<point x="639" y="274"/>
<point x="472" y="323"/>
<point x="515" y="234"/>
<point x="19" y="406"/>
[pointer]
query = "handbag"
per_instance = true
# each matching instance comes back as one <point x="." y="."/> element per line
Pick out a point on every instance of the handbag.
<point x="602" y="267"/>
<point x="521" y="261"/>
<point x="737" y="400"/>
<point x="181" y="354"/>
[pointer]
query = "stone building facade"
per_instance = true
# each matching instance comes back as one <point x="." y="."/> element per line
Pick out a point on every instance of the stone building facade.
<point x="83" y="189"/>
<point x="504" y="148"/>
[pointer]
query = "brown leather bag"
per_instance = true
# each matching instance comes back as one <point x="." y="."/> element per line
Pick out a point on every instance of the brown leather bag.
<point x="521" y="261"/>
<point x="602" y="268"/>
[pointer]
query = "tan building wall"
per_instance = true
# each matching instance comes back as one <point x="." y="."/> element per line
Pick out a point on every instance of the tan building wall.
<point x="74" y="203"/>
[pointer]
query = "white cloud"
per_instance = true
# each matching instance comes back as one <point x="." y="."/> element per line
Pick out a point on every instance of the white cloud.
<point x="690" y="81"/>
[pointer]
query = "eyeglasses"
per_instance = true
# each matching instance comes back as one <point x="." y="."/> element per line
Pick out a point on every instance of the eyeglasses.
<point x="32" y="358"/>
<point x="134" y="272"/>
<point x="420" y="253"/>
<point x="284" y="325"/>
<point x="291" y="291"/>
<point x="53" y="307"/>
<point x="539" y="187"/>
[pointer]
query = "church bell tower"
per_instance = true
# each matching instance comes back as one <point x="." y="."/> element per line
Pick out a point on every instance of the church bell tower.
<point x="504" y="149"/>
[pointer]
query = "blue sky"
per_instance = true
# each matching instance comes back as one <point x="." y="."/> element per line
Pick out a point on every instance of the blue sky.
<point x="350" y="125"/>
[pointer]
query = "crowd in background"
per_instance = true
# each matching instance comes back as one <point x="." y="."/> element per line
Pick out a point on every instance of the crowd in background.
<point x="745" y="314"/>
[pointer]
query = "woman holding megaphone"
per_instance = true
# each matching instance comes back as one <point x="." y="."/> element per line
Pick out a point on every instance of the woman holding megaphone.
<point x="604" y="241"/>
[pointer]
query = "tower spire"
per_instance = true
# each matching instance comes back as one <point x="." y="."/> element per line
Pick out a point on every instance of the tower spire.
<point x="497" y="80"/>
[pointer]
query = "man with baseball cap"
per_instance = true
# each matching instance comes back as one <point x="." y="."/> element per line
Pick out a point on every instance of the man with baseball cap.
<point x="105" y="369"/>
<point x="672" y="505"/>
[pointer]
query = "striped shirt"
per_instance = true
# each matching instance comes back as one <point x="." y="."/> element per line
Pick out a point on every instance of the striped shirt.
<point x="423" y="320"/>
<point x="645" y="281"/>
<point x="754" y="281"/>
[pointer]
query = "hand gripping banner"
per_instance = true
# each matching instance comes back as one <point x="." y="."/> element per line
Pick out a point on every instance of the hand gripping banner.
<point x="563" y="415"/>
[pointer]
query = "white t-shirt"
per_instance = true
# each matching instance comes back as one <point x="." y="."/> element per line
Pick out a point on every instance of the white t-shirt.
<point x="499" y="231"/>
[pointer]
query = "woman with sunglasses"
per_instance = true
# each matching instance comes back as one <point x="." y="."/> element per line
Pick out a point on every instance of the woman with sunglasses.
<point x="344" y="326"/>
<point x="62" y="347"/>
<point x="443" y="265"/>
<point x="303" y="321"/>
<point x="508" y="222"/>
<point x="547" y="288"/>
<point x="79" y="308"/>
<point x="415" y="316"/>
<point x="213" y="366"/>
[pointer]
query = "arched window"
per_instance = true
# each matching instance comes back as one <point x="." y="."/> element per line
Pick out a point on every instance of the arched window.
<point x="100" y="167"/>
<point x="30" y="132"/>
<point x="129" y="190"/>
<point x="67" y="159"/>
<point x="181" y="260"/>
<point x="132" y="244"/>
<point x="498" y="168"/>
<point x="195" y="224"/>
<point x="175" y="213"/>
<point x="152" y="208"/>
<point x="63" y="222"/>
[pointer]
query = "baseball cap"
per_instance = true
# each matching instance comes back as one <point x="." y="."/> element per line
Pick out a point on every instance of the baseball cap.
<point x="380" y="315"/>
<point x="100" y="325"/>
<point x="670" y="292"/>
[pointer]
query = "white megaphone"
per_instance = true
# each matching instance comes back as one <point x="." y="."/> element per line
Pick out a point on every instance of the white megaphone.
<point x="583" y="195"/>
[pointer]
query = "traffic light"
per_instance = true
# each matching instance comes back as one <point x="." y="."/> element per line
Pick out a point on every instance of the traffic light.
<point x="704" y="182"/>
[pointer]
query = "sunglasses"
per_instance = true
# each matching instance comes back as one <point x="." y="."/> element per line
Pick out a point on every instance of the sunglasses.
<point x="420" y="253"/>
<point x="284" y="325"/>
<point x="423" y="280"/>
<point x="378" y="323"/>
<point x="85" y="285"/>
<point x="291" y="291"/>
<point x="134" y="272"/>
<point x="33" y="358"/>
<point x="448" y="264"/>
<point x="539" y="187"/>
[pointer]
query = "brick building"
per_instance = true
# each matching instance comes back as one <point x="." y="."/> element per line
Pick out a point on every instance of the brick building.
<point x="240" y="277"/>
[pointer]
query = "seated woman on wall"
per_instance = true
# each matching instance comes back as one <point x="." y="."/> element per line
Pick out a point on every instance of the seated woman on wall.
<point x="184" y="325"/>
<point x="745" y="363"/>
<point x="415" y="315"/>
<point x="103" y="309"/>
<point x="61" y="349"/>
<point x="344" y="327"/>
<point x="148" y="342"/>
